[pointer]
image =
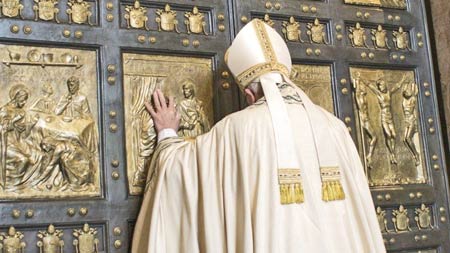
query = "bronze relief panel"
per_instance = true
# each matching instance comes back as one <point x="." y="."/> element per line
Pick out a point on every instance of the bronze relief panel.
<point x="394" y="4"/>
<point x="386" y="105"/>
<point x="315" y="81"/>
<point x="188" y="79"/>
<point x="49" y="143"/>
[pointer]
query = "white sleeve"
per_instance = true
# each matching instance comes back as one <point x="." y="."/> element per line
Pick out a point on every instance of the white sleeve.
<point x="166" y="133"/>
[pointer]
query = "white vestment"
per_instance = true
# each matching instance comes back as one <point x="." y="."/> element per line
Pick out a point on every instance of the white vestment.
<point x="220" y="192"/>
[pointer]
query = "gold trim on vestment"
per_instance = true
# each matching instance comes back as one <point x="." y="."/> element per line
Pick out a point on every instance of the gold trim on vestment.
<point x="291" y="188"/>
<point x="331" y="184"/>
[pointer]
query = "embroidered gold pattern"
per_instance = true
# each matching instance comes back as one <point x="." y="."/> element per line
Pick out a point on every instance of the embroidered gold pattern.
<point x="331" y="184"/>
<point x="271" y="64"/>
<point x="291" y="188"/>
<point x="247" y="76"/>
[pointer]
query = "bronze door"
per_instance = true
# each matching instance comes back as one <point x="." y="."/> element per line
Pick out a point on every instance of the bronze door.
<point x="75" y="141"/>
<point x="370" y="59"/>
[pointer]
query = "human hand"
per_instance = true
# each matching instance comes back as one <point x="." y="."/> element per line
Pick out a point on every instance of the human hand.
<point x="164" y="115"/>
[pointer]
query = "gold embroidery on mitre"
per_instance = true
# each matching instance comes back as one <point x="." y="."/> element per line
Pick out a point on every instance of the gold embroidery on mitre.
<point x="331" y="184"/>
<point x="271" y="64"/>
<point x="291" y="188"/>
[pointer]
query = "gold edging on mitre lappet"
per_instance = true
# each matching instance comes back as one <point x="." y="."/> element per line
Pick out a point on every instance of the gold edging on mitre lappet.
<point x="291" y="188"/>
<point x="271" y="63"/>
<point x="331" y="184"/>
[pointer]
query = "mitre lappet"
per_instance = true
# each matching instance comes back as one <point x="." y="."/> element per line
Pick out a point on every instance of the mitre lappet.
<point x="268" y="62"/>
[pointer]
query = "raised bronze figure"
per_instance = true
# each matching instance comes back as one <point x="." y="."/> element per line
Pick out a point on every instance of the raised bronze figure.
<point x="357" y="36"/>
<point x="193" y="118"/>
<point x="317" y="32"/>
<point x="136" y="16"/>
<point x="195" y="22"/>
<point x="11" y="242"/>
<point x="74" y="104"/>
<point x="15" y="126"/>
<point x="363" y="113"/>
<point x="167" y="19"/>
<point x="379" y="38"/>
<point x="291" y="30"/>
<point x="51" y="240"/>
<point x="409" y="92"/>
<point x="401" y="39"/>
<point x="384" y="96"/>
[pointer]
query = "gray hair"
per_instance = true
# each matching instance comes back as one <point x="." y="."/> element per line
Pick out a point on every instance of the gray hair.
<point x="256" y="88"/>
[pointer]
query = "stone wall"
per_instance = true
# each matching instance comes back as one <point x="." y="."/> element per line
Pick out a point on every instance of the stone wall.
<point x="438" y="16"/>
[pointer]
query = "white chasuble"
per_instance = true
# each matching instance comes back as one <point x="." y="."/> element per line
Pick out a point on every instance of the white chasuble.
<point x="220" y="192"/>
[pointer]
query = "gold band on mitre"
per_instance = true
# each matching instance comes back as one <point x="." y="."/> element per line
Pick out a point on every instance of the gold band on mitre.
<point x="271" y="65"/>
<point x="246" y="77"/>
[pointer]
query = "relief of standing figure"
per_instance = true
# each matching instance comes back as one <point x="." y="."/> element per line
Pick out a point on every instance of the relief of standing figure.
<point x="15" y="126"/>
<point x="193" y="118"/>
<point x="363" y="110"/>
<point x="410" y="91"/>
<point x="73" y="104"/>
<point x="384" y="96"/>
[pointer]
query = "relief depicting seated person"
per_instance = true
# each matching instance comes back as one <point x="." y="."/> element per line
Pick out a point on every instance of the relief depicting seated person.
<point x="74" y="104"/>
<point x="16" y="151"/>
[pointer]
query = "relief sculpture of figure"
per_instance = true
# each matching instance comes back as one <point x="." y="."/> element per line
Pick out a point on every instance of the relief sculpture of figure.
<point x="193" y="118"/>
<point x="73" y="104"/>
<point x="65" y="166"/>
<point x="410" y="91"/>
<point x="16" y="155"/>
<point x="73" y="107"/>
<point x="45" y="104"/>
<point x="384" y="96"/>
<point x="363" y="110"/>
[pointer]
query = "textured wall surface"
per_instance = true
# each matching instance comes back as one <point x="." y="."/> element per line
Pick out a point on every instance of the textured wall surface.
<point x="440" y="13"/>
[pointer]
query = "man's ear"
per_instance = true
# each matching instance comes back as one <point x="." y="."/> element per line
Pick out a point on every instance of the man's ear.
<point x="249" y="96"/>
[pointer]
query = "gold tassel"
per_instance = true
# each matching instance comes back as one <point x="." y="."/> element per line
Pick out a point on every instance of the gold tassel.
<point x="331" y="184"/>
<point x="291" y="194"/>
<point x="291" y="189"/>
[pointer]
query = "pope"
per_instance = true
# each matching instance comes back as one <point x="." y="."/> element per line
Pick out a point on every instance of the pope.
<point x="282" y="175"/>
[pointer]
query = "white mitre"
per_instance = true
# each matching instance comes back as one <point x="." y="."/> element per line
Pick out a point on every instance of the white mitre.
<point x="259" y="53"/>
<point x="257" y="49"/>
